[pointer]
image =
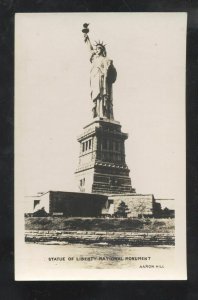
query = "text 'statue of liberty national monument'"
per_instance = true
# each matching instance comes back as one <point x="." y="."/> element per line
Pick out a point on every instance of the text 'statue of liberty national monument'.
<point x="102" y="168"/>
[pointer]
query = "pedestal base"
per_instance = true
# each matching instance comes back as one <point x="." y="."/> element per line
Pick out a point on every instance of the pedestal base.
<point x="102" y="168"/>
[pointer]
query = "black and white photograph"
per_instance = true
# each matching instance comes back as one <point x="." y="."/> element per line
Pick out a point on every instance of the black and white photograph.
<point x="100" y="171"/>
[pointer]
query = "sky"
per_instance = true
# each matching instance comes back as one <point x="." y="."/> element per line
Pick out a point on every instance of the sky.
<point x="52" y="97"/>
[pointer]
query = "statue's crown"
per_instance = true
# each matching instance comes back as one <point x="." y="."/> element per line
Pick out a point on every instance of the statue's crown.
<point x="100" y="43"/>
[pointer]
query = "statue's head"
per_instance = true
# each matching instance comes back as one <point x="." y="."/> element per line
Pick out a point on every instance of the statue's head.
<point x="100" y="49"/>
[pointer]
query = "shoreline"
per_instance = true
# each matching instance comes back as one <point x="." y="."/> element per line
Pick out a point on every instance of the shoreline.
<point x="103" y="238"/>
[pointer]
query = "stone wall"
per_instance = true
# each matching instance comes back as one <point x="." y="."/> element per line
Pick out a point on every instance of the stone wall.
<point x="77" y="204"/>
<point x="92" y="205"/>
<point x="95" y="237"/>
<point x="138" y="204"/>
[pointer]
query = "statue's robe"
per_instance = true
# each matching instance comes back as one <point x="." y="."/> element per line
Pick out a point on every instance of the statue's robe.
<point x="102" y="76"/>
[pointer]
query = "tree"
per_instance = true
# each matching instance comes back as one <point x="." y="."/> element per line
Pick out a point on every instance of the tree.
<point x="141" y="209"/>
<point x="40" y="213"/>
<point x="122" y="210"/>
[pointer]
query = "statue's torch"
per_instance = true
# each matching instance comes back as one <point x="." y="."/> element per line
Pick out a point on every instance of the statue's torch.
<point x="85" y="30"/>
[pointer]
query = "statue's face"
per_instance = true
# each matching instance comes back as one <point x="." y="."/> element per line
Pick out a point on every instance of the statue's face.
<point x="98" y="50"/>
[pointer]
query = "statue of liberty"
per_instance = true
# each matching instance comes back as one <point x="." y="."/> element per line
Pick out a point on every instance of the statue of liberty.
<point x="102" y="75"/>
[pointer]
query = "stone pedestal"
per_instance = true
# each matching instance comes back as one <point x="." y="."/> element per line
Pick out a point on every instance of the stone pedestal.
<point x="102" y="168"/>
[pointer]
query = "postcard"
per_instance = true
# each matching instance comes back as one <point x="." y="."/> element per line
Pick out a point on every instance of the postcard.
<point x="100" y="146"/>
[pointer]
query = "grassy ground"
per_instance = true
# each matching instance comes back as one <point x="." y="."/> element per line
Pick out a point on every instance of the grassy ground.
<point x="99" y="224"/>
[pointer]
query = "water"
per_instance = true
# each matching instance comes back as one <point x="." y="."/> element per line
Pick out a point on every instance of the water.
<point x="100" y="256"/>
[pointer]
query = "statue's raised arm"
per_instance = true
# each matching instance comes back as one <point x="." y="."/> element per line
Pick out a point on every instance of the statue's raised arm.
<point x="102" y="76"/>
<point x="87" y="41"/>
<point x="86" y="37"/>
